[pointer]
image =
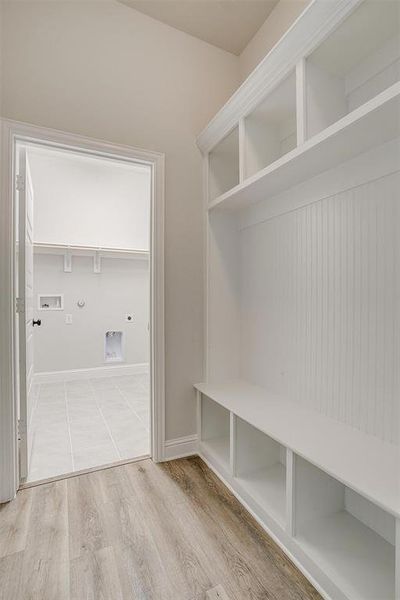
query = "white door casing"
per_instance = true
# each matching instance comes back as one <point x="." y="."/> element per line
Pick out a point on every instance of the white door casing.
<point x="14" y="134"/>
<point x="25" y="307"/>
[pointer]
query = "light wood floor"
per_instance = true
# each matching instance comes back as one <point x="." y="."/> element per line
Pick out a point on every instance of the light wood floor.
<point x="140" y="531"/>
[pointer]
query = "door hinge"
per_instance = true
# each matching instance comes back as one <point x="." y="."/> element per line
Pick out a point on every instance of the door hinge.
<point x="19" y="305"/>
<point x="20" y="183"/>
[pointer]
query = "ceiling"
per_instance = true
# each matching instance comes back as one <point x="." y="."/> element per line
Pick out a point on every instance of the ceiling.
<point x="227" y="24"/>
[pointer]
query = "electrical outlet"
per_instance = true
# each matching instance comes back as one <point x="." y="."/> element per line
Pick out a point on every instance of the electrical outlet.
<point x="68" y="319"/>
<point x="129" y="318"/>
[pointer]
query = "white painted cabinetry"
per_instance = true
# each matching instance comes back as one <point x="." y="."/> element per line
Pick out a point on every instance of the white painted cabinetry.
<point x="299" y="412"/>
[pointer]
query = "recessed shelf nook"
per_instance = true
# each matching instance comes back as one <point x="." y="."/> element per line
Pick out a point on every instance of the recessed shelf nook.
<point x="348" y="537"/>
<point x="357" y="61"/>
<point x="215" y="431"/>
<point x="270" y="130"/>
<point x="260" y="468"/>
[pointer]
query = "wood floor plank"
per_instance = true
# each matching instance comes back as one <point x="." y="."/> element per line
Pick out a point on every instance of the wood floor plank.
<point x="95" y="576"/>
<point x="14" y="521"/>
<point x="141" y="531"/>
<point x="10" y="576"/>
<point x="184" y="569"/>
<point x="44" y="563"/>
<point x="216" y="593"/>
<point x="241" y="538"/>
<point x="140" y="563"/>
<point x="86" y="516"/>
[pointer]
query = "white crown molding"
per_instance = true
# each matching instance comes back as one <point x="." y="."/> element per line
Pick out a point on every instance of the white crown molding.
<point x="310" y="28"/>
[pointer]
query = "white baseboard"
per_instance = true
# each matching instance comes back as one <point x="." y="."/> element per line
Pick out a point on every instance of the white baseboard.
<point x="180" y="447"/>
<point x="75" y="374"/>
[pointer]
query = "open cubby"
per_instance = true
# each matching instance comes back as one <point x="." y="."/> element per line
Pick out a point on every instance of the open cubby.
<point x="223" y="172"/>
<point x="215" y="430"/>
<point x="270" y="130"/>
<point x="359" y="59"/>
<point x="351" y="539"/>
<point x="260" y="468"/>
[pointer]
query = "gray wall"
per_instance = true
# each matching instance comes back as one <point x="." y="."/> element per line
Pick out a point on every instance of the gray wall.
<point x="104" y="70"/>
<point x="122" y="287"/>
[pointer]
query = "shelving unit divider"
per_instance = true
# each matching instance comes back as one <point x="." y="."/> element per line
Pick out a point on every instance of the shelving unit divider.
<point x="290" y="492"/>
<point x="198" y="416"/>
<point x="233" y="445"/>
<point x="242" y="150"/>
<point x="301" y="102"/>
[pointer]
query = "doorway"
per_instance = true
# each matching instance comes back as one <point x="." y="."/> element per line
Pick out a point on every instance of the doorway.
<point x="121" y="383"/>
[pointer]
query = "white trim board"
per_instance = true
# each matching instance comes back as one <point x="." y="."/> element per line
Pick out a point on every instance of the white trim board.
<point x="79" y="374"/>
<point x="14" y="132"/>
<point x="180" y="447"/>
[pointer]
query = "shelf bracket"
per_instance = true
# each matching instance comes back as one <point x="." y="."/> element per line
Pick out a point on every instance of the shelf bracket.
<point x="68" y="262"/>
<point x="97" y="262"/>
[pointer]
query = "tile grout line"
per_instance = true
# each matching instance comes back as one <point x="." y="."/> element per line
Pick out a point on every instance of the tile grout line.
<point x="69" y="425"/>
<point x="130" y="407"/>
<point x="105" y="420"/>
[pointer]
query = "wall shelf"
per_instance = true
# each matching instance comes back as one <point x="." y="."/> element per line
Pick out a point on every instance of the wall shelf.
<point x="61" y="249"/>
<point x="96" y="253"/>
<point x="374" y="123"/>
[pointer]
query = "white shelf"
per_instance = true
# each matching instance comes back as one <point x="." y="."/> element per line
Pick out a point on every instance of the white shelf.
<point x="61" y="249"/>
<point x="267" y="487"/>
<point x="362" y="462"/>
<point x="359" y="560"/>
<point x="370" y="125"/>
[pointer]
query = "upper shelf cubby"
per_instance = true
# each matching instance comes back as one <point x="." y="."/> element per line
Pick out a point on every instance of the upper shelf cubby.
<point x="357" y="61"/>
<point x="223" y="166"/>
<point x="270" y="130"/>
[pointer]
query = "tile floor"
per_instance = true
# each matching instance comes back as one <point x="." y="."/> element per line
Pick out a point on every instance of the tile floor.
<point x="87" y="423"/>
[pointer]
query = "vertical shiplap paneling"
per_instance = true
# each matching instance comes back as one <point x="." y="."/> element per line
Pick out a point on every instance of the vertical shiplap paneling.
<point x="320" y="306"/>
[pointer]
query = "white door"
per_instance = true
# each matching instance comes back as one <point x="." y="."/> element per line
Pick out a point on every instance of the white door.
<point x="25" y="306"/>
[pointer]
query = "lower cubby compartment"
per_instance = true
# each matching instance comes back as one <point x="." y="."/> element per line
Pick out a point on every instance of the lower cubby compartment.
<point x="260" y="469"/>
<point x="215" y="431"/>
<point x="348" y="537"/>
